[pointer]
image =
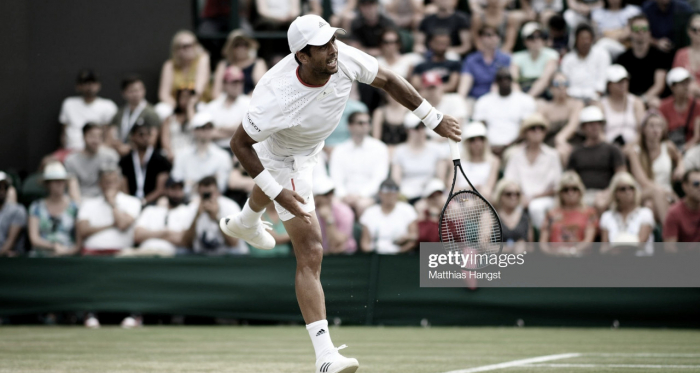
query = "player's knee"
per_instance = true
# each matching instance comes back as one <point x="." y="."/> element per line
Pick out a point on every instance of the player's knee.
<point x="310" y="255"/>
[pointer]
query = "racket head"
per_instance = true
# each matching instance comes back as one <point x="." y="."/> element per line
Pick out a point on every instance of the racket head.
<point x="470" y="225"/>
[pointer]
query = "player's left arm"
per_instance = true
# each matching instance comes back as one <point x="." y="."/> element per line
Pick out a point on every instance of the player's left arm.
<point x="403" y="92"/>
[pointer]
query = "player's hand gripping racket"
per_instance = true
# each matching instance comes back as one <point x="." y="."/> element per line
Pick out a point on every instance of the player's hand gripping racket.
<point x="469" y="225"/>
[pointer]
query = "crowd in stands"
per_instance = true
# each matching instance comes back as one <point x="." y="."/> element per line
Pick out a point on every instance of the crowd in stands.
<point x="581" y="123"/>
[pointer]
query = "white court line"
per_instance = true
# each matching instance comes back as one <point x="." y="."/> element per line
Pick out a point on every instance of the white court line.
<point x="644" y="354"/>
<point x="516" y="363"/>
<point x="637" y="366"/>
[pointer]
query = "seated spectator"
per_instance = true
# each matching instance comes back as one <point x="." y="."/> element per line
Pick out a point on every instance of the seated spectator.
<point x="477" y="160"/>
<point x="276" y="15"/>
<point x="562" y="115"/>
<point x="341" y="133"/>
<point x="52" y="219"/>
<point x="438" y="44"/>
<point x="335" y="218"/>
<point x="558" y="34"/>
<point x="106" y="222"/>
<point x="228" y="109"/>
<point x="686" y="57"/>
<point x="663" y="17"/>
<point x="585" y="66"/>
<point x="542" y="10"/>
<point x="187" y="68"/>
<point x="516" y="226"/>
<point x="369" y="25"/>
<point x="611" y="23"/>
<point x="627" y="221"/>
<point x="534" y="68"/>
<point x="83" y="166"/>
<point x="595" y="160"/>
<point x="655" y="163"/>
<point x="87" y="107"/>
<point x="623" y="111"/>
<point x="358" y="166"/>
<point x="536" y="167"/>
<point x="681" y="110"/>
<point x="503" y="125"/>
<point x="479" y="68"/>
<point x="450" y="104"/>
<point x="579" y="11"/>
<point x="407" y="14"/>
<point x="13" y="219"/>
<point x="387" y="123"/>
<point x="389" y="227"/>
<point x="176" y="132"/>
<point x="136" y="111"/>
<point x="203" y="158"/>
<point x="691" y="159"/>
<point x="429" y="209"/>
<point x="390" y="55"/>
<point x="645" y="63"/>
<point x="240" y="51"/>
<point x="283" y="246"/>
<point x="683" y="219"/>
<point x="145" y="169"/>
<point x="204" y="235"/>
<point x="571" y="221"/>
<point x="447" y="17"/>
<point x="160" y="228"/>
<point x="505" y="22"/>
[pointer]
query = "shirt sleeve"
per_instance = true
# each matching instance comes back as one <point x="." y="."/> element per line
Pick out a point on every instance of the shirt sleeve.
<point x="85" y="210"/>
<point x="603" y="64"/>
<point x="146" y="216"/>
<point x="63" y="116"/>
<point x="466" y="66"/>
<point x="358" y="64"/>
<point x="646" y="217"/>
<point x="480" y="110"/>
<point x="131" y="206"/>
<point x="19" y="218"/>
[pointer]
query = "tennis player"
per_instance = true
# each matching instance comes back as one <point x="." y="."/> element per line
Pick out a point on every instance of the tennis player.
<point x="294" y="108"/>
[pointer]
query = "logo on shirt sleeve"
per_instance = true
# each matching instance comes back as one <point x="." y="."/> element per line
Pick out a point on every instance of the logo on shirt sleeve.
<point x="251" y="123"/>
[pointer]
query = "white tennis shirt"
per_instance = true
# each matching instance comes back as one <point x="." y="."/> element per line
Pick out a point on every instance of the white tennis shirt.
<point x="289" y="117"/>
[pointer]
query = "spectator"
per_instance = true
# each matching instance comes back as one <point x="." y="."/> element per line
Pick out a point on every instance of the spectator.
<point x="450" y="104"/>
<point x="187" y="68"/>
<point x="645" y="63"/>
<point x="429" y="209"/>
<point x="498" y="18"/>
<point x="585" y="66"/>
<point x="228" y="109"/>
<point x="438" y="44"/>
<point x="389" y="227"/>
<point x="655" y="163"/>
<point x="516" y="226"/>
<point x="276" y="15"/>
<point x="570" y="221"/>
<point x="691" y="159"/>
<point x="145" y="169"/>
<point x="623" y="111"/>
<point x="13" y="219"/>
<point x="390" y="55"/>
<point x="503" y="125"/>
<point x="686" y="57"/>
<point x="479" y="68"/>
<point x="683" y="217"/>
<point x="455" y="22"/>
<point x="106" y="222"/>
<point x="176" y="132"/>
<point x="534" y="68"/>
<point x="595" y="160"/>
<point x="681" y="110"/>
<point x="626" y="221"/>
<point x="611" y="23"/>
<point x="579" y="11"/>
<point x="477" y="160"/>
<point x="562" y="114"/>
<point x="203" y="158"/>
<point x="283" y="246"/>
<point x="204" y="235"/>
<point x="369" y="25"/>
<point x="335" y="218"/>
<point x="240" y="51"/>
<point x="136" y="111"/>
<point x="76" y="111"/>
<point x="358" y="166"/>
<point x="663" y="17"/>
<point x="52" y="219"/>
<point x="83" y="167"/>
<point x="558" y="34"/>
<point x="387" y="123"/>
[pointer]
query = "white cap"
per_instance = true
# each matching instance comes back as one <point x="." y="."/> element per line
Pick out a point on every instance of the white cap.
<point x="591" y="114"/>
<point x="55" y="171"/>
<point x="309" y="30"/>
<point x="434" y="185"/>
<point x="200" y="119"/>
<point x="530" y="29"/>
<point x="3" y="177"/>
<point x="323" y="185"/>
<point x="615" y="73"/>
<point x="677" y="75"/>
<point x="474" y="129"/>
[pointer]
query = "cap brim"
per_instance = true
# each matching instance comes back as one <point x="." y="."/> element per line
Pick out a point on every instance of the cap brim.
<point x="324" y="35"/>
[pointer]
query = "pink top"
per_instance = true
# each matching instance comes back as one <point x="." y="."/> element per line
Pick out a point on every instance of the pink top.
<point x="344" y="221"/>
<point x="682" y="59"/>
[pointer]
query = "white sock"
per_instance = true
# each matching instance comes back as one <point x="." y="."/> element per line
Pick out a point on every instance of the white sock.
<point x="320" y="337"/>
<point x="249" y="217"/>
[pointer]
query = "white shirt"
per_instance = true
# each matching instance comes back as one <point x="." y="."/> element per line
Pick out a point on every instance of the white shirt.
<point x="289" y="118"/>
<point x="403" y="64"/>
<point x="99" y="213"/>
<point x="537" y="177"/>
<point x="586" y="76"/>
<point x="227" y="116"/>
<point x="451" y="104"/>
<point x="359" y="169"/>
<point x="192" y="166"/>
<point x="503" y="115"/>
<point x="608" y="20"/>
<point x="75" y="112"/>
<point x="612" y="222"/>
<point x="417" y="169"/>
<point x="209" y="238"/>
<point x="158" y="218"/>
<point x="385" y="229"/>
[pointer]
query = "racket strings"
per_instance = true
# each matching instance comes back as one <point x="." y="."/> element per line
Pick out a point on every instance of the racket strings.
<point x="469" y="223"/>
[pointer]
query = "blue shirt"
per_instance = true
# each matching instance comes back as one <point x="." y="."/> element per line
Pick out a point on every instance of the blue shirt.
<point x="662" y="24"/>
<point x="483" y="74"/>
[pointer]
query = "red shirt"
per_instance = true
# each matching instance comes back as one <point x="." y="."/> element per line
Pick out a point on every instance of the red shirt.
<point x="676" y="119"/>
<point x="569" y="225"/>
<point x="682" y="223"/>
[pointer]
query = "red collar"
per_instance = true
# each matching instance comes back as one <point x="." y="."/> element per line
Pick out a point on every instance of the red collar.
<point x="310" y="85"/>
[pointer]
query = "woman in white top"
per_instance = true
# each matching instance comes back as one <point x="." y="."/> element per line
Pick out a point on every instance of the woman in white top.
<point x="623" y="111"/>
<point x="391" y="57"/>
<point x="626" y="222"/>
<point x="175" y="133"/>
<point x="477" y="160"/>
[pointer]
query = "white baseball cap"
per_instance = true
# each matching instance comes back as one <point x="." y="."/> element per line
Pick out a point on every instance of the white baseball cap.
<point x="201" y="119"/>
<point x="474" y="129"/>
<point x="434" y="185"/>
<point x="591" y="114"/>
<point x="310" y="30"/>
<point x="323" y="185"/>
<point x="3" y="177"/>
<point x="55" y="171"/>
<point x="677" y="75"/>
<point x="530" y="29"/>
<point x="615" y="73"/>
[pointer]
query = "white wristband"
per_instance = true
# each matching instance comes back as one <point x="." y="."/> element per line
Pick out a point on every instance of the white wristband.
<point x="433" y="118"/>
<point x="423" y="109"/>
<point x="267" y="183"/>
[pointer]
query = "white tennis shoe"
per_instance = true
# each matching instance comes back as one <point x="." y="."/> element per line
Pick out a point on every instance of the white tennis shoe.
<point x="256" y="235"/>
<point x="334" y="362"/>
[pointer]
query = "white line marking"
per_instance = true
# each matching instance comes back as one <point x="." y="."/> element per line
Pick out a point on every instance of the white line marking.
<point x="644" y="354"/>
<point x="637" y="366"/>
<point x="516" y="363"/>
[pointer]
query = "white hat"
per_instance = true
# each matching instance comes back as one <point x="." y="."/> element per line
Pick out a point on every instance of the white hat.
<point x="591" y="114"/>
<point x="474" y="129"/>
<point x="323" y="185"/>
<point x="55" y="171"/>
<point x="200" y="119"/>
<point x="434" y="185"/>
<point x="3" y="177"/>
<point x="615" y="73"/>
<point x="677" y="75"/>
<point x="309" y="30"/>
<point x="530" y="29"/>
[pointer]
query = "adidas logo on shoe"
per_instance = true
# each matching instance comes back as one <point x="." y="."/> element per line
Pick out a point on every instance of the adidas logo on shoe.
<point x="325" y="366"/>
<point x="322" y="331"/>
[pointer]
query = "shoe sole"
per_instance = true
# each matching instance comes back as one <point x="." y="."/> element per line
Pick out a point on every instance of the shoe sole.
<point x="348" y="370"/>
<point x="228" y="232"/>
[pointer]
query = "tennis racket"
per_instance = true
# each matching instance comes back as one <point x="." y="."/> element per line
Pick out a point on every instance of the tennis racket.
<point x="469" y="225"/>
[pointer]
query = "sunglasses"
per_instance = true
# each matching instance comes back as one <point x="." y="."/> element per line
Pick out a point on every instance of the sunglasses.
<point x="186" y="46"/>
<point x="557" y="84"/>
<point x="511" y="194"/>
<point x="569" y="189"/>
<point x="536" y="128"/>
<point x="640" y="28"/>
<point x="534" y="37"/>
<point x="236" y="81"/>
<point x="473" y="139"/>
<point x="625" y="188"/>
<point x="361" y="122"/>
